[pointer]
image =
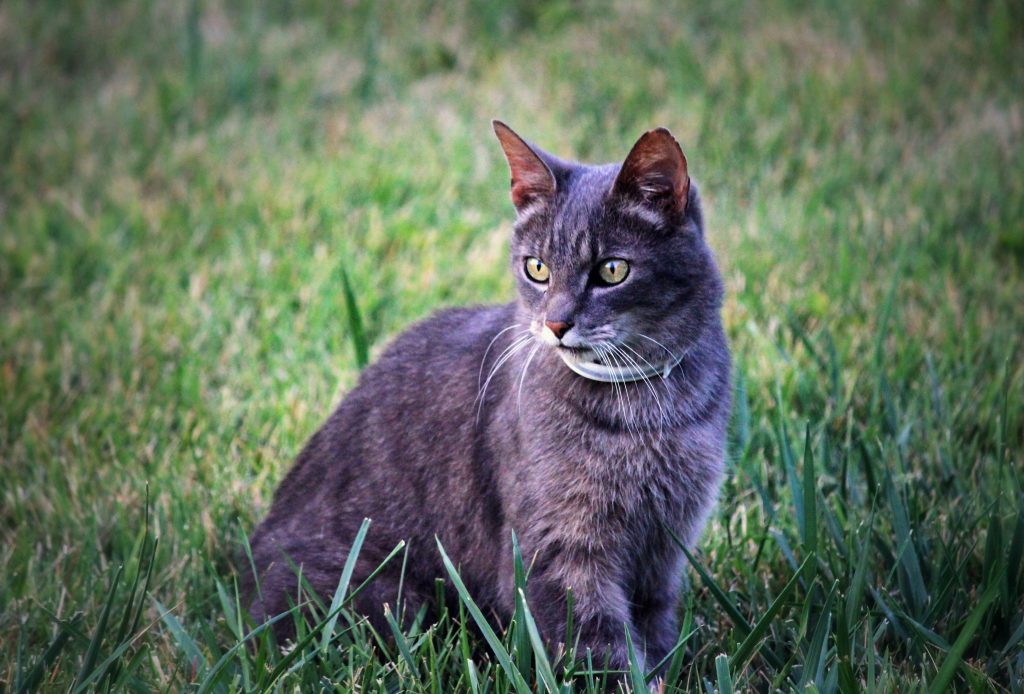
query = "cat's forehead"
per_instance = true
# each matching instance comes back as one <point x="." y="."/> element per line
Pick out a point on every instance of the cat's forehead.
<point x="574" y="228"/>
<point x="586" y="193"/>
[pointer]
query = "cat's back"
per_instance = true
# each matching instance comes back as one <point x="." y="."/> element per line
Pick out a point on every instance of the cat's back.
<point x="413" y="412"/>
<point x="445" y="347"/>
<point x="430" y="374"/>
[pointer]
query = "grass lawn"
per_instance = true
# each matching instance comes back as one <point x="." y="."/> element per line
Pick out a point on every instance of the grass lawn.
<point x="186" y="187"/>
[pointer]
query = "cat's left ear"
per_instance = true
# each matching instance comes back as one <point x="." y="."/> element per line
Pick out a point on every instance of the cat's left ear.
<point x="655" y="173"/>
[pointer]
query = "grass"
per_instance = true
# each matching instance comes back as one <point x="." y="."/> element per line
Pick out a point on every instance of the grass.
<point x="211" y="214"/>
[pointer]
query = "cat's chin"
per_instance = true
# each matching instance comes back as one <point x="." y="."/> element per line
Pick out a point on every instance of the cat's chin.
<point x="578" y="355"/>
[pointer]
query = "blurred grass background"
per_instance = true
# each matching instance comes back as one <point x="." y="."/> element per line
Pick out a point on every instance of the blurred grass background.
<point x="183" y="185"/>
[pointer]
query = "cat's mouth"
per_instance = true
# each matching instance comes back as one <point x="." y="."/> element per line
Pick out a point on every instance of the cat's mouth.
<point x="580" y="354"/>
<point x="593" y="365"/>
<point x="585" y="356"/>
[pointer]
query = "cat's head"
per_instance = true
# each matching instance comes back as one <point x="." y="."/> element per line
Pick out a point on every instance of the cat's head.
<point x="610" y="260"/>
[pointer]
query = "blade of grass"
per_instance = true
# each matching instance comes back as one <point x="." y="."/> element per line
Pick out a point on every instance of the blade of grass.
<point x="521" y="635"/>
<point x="401" y="643"/>
<point x="722" y="671"/>
<point x="376" y="572"/>
<point x="299" y="648"/>
<point x="31" y="680"/>
<point x="750" y="643"/>
<point x="954" y="657"/>
<point x="514" y="676"/>
<point x="675" y="666"/>
<point x="810" y="517"/>
<point x="343" y="581"/>
<point x="670" y="656"/>
<point x="738" y="620"/>
<point x="636" y="672"/>
<point x="101" y="627"/>
<point x="910" y="566"/>
<point x="855" y="596"/>
<point x="815" y="656"/>
<point x="185" y="642"/>
<point x="355" y="321"/>
<point x="547" y="675"/>
<point x="844" y="650"/>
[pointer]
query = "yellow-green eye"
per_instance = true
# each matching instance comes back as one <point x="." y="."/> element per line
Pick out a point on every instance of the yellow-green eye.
<point x="613" y="271"/>
<point x="536" y="270"/>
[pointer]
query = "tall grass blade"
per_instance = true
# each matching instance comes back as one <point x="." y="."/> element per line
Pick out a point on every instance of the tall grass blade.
<point x="752" y="640"/>
<point x="355" y="321"/>
<point x="101" y="628"/>
<point x="720" y="595"/>
<point x="723" y="599"/>
<point x="547" y="675"/>
<point x="352" y="594"/>
<point x="1015" y="558"/>
<point x="513" y="674"/>
<point x="671" y="656"/>
<point x="954" y="657"/>
<point x="285" y="665"/>
<point x="346" y="577"/>
<point x="910" y="566"/>
<point x="637" y="681"/>
<point x="722" y="671"/>
<point x="185" y="642"/>
<point x="521" y="635"/>
<point x="810" y="517"/>
<point x="402" y="644"/>
<point x="814" y="658"/>
<point x="675" y="666"/>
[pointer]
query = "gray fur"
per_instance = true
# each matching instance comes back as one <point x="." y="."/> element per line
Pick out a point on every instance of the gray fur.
<point x="589" y="475"/>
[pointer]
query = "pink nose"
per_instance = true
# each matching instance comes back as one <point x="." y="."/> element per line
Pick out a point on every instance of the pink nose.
<point x="559" y="328"/>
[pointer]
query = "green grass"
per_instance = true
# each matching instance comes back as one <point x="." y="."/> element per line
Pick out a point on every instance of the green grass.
<point x="189" y="190"/>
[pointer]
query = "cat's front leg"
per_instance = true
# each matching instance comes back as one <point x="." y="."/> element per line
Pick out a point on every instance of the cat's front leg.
<point x="656" y="598"/>
<point x="657" y="624"/>
<point x="600" y="613"/>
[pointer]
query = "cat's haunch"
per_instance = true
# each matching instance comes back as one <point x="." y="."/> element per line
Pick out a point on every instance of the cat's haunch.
<point x="588" y="416"/>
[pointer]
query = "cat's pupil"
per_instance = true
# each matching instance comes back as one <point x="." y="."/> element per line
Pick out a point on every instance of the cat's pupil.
<point x="613" y="271"/>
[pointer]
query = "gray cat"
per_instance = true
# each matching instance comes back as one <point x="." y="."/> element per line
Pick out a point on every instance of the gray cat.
<point x="589" y="417"/>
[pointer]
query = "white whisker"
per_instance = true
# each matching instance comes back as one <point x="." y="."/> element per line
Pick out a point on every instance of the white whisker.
<point x="519" y="394"/>
<point x="483" y="360"/>
<point x="646" y="379"/>
<point x="617" y="382"/>
<point x="633" y="412"/>
<point x="518" y="342"/>
<point x="509" y="352"/>
<point x="670" y="352"/>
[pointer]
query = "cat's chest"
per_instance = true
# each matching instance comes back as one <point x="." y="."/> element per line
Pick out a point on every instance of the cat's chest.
<point x="640" y="462"/>
<point x="606" y="469"/>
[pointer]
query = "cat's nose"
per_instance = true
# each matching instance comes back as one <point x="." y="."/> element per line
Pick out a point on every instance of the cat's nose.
<point x="558" y="327"/>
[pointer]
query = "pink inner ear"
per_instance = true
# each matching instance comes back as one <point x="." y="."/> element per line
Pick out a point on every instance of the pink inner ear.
<point x="528" y="180"/>
<point x="656" y="167"/>
<point x="531" y="177"/>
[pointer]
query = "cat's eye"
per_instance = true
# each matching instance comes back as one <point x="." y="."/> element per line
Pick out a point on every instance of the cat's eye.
<point x="536" y="270"/>
<point x="613" y="271"/>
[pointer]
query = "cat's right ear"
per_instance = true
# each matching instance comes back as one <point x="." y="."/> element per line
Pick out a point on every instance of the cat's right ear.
<point x="532" y="179"/>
